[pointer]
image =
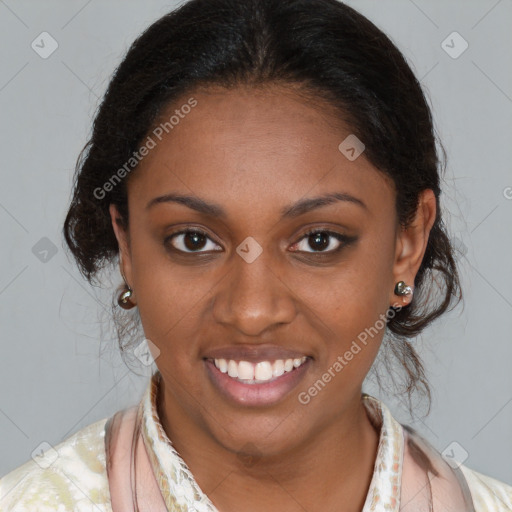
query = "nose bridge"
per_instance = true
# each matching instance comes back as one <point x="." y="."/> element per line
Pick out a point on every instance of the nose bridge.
<point x="253" y="297"/>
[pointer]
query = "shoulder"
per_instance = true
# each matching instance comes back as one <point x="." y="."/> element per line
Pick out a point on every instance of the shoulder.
<point x="70" y="476"/>
<point x="489" y="494"/>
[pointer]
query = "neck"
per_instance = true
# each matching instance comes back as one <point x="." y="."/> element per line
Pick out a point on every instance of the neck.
<point x="334" y="466"/>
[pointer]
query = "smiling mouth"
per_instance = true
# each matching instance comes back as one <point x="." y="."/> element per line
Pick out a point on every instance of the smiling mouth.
<point x="261" y="372"/>
<point x="257" y="382"/>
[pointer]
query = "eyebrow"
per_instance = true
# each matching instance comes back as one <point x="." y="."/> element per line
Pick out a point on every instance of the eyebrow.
<point x="291" y="211"/>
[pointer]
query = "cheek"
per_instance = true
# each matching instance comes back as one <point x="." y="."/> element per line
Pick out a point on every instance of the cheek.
<point x="352" y="301"/>
<point x="168" y="297"/>
<point x="361" y="282"/>
<point x="169" y="308"/>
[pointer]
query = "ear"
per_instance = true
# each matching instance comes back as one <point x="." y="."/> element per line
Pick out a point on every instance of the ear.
<point x="411" y="244"/>
<point x="125" y="260"/>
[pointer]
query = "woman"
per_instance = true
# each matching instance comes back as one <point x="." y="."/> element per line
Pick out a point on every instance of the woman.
<point x="265" y="174"/>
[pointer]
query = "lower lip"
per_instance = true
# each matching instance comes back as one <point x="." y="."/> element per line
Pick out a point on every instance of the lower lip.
<point x="266" y="393"/>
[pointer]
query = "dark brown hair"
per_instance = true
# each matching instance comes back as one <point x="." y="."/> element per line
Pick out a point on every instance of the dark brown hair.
<point x="330" y="51"/>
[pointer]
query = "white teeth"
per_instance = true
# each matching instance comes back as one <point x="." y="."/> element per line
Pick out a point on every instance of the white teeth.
<point x="263" y="371"/>
<point x="223" y="365"/>
<point x="245" y="370"/>
<point x="278" y="368"/>
<point x="232" y="369"/>
<point x="260" y="372"/>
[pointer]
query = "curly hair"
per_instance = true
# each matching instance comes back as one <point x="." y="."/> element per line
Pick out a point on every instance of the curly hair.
<point x="333" y="53"/>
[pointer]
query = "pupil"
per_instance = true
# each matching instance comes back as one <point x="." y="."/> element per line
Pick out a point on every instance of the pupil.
<point x="195" y="239"/>
<point x="317" y="238"/>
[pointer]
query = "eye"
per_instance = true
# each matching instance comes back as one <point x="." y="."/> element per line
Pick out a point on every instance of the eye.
<point x="323" y="241"/>
<point x="190" y="241"/>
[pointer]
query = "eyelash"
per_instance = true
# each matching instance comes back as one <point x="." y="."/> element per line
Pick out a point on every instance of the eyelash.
<point x="344" y="239"/>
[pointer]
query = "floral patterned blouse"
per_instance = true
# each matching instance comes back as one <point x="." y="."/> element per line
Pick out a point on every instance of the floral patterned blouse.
<point x="72" y="475"/>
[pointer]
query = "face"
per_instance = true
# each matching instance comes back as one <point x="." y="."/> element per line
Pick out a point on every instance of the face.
<point x="233" y="256"/>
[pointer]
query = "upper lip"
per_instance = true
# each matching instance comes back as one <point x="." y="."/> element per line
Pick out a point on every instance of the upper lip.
<point x="254" y="353"/>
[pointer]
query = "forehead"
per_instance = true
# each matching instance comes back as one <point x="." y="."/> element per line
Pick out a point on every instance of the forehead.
<point x="267" y="146"/>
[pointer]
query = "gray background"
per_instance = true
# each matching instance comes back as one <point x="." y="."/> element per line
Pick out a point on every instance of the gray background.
<point x="55" y="374"/>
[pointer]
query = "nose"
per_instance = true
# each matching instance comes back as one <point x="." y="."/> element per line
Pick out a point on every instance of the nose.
<point x="253" y="297"/>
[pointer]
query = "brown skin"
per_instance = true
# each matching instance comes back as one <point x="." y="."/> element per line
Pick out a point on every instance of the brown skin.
<point x="253" y="152"/>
